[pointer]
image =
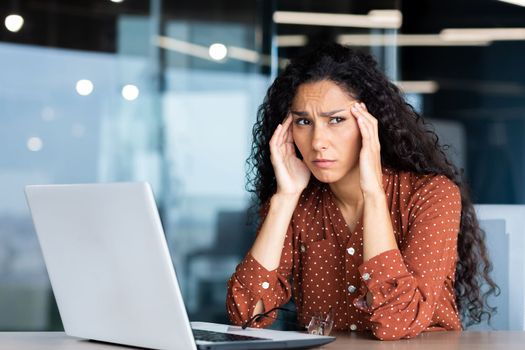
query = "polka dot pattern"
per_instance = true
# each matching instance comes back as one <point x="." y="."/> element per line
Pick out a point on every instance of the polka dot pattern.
<point x="410" y="289"/>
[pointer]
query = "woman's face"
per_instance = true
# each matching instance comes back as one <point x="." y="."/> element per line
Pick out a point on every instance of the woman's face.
<point x="325" y="131"/>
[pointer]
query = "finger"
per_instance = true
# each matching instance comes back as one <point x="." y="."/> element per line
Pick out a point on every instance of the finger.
<point x="367" y="132"/>
<point x="275" y="138"/>
<point x="356" y="111"/>
<point x="362" y="109"/>
<point x="286" y="130"/>
<point x="280" y="141"/>
<point x="360" y="118"/>
<point x="368" y="146"/>
<point x="370" y="121"/>
<point x="375" y="136"/>
<point x="277" y="133"/>
<point x="373" y="120"/>
<point x="363" y="128"/>
<point x="371" y="133"/>
<point x="289" y="134"/>
<point x="289" y="137"/>
<point x="375" y="123"/>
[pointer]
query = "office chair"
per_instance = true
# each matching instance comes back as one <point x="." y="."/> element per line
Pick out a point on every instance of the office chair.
<point x="504" y="226"/>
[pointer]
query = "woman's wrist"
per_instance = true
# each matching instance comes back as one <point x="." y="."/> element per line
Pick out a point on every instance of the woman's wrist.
<point x="269" y="243"/>
<point x="288" y="195"/>
<point x="282" y="198"/>
<point x="374" y="197"/>
<point x="378" y="235"/>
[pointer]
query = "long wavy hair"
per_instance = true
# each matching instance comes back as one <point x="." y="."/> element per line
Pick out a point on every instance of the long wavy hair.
<point x="407" y="144"/>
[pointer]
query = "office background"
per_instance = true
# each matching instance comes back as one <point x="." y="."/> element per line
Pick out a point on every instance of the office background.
<point x="167" y="92"/>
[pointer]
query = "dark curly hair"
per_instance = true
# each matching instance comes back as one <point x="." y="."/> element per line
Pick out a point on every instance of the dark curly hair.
<point x="407" y="144"/>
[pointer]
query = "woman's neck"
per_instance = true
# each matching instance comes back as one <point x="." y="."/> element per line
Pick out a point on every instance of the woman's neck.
<point x="347" y="191"/>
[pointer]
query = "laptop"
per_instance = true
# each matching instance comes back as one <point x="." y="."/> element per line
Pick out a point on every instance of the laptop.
<point x="113" y="277"/>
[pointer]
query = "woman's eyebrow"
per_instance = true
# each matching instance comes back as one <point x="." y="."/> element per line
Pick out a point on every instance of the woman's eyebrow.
<point x="322" y="114"/>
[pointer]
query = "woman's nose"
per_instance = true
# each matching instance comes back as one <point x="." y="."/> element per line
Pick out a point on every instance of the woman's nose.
<point x="319" y="140"/>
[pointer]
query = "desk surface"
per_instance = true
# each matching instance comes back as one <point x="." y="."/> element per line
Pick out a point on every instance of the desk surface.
<point x="508" y="340"/>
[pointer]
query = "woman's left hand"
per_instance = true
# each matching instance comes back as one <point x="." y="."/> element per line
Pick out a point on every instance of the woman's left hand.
<point x="370" y="156"/>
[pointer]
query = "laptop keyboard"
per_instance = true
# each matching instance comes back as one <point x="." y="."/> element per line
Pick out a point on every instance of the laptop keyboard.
<point x="211" y="336"/>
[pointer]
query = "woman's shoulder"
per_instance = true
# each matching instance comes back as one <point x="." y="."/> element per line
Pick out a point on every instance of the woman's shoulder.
<point x="421" y="184"/>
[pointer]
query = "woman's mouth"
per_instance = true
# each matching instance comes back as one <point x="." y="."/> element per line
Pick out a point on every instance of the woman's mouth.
<point x="323" y="163"/>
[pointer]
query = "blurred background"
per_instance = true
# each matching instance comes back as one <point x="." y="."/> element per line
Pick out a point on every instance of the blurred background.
<point x="167" y="92"/>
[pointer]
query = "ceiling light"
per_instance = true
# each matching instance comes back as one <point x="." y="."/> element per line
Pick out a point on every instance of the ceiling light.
<point x="117" y="1"/>
<point x="243" y="54"/>
<point x="217" y="51"/>
<point x="183" y="47"/>
<point x="238" y="53"/>
<point x="404" y="40"/>
<point x="84" y="87"/>
<point x="14" y="23"/>
<point x="447" y="37"/>
<point x="420" y="87"/>
<point x="374" y="19"/>
<point x="34" y="144"/>
<point x="291" y="40"/>
<point x="515" y="2"/>
<point x="490" y="34"/>
<point x="130" y="92"/>
<point x="393" y="17"/>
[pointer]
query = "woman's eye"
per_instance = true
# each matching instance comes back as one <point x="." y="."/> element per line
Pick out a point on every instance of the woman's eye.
<point x="302" y="121"/>
<point x="336" y="120"/>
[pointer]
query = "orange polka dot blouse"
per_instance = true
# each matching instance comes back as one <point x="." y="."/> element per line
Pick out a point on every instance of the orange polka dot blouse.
<point x="322" y="263"/>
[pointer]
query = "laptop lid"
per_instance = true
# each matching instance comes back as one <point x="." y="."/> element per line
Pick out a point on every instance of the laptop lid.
<point x="112" y="275"/>
<point x="109" y="265"/>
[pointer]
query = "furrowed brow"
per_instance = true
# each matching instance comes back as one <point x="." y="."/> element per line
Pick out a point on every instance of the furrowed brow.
<point x="322" y="114"/>
<point x="328" y="114"/>
<point x="299" y="113"/>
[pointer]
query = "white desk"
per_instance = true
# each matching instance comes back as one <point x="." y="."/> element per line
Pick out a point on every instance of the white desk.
<point x="509" y="340"/>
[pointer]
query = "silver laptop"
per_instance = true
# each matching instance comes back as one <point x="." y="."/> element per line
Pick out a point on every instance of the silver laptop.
<point x="113" y="278"/>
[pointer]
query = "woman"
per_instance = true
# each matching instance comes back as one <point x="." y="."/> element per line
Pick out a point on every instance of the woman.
<point x="383" y="233"/>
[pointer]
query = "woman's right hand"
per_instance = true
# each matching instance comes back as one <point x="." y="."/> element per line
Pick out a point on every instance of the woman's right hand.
<point x="291" y="173"/>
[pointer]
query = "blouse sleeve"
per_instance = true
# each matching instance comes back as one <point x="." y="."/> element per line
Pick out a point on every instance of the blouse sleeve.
<point x="405" y="285"/>
<point x="252" y="282"/>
